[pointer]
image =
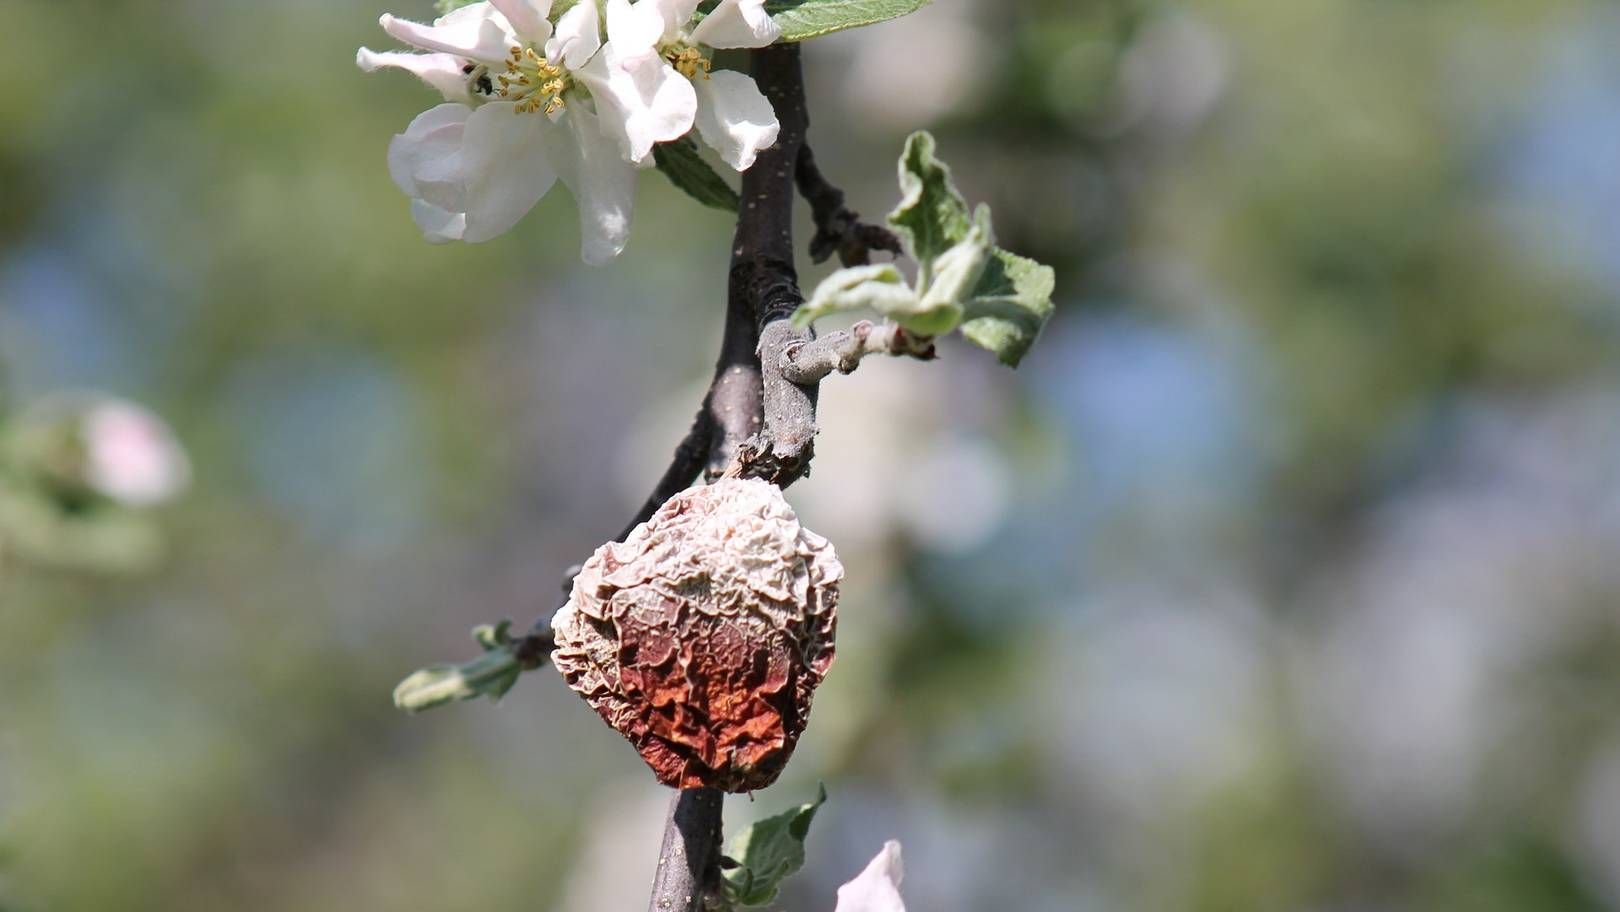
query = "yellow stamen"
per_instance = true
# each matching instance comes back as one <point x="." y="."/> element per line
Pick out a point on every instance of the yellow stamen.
<point x="533" y="83"/>
<point x="688" y="61"/>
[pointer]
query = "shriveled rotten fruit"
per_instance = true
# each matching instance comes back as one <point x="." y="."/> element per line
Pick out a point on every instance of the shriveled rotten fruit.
<point x="703" y="636"/>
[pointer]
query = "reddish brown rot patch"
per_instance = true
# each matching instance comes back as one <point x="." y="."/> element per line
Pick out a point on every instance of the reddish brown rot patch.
<point x="703" y="636"/>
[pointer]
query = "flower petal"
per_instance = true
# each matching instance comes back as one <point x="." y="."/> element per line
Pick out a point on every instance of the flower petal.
<point x="505" y="168"/>
<point x="441" y="71"/>
<point x="675" y="15"/>
<point x="528" y="18"/>
<point x="602" y="182"/>
<point x="439" y="226"/>
<point x="876" y="889"/>
<point x="578" y="36"/>
<point x="734" y="117"/>
<point x="477" y="32"/>
<point x="425" y="160"/>
<point x="634" y="29"/>
<point x="131" y="456"/>
<point x="642" y="101"/>
<point x="737" y="24"/>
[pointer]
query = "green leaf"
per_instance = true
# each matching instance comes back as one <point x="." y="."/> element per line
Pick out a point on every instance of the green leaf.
<point x="686" y="169"/>
<point x="957" y="271"/>
<point x="804" y="19"/>
<point x="998" y="299"/>
<point x="490" y="675"/>
<point x="932" y="216"/>
<point x="880" y="287"/>
<point x="1011" y="303"/>
<point x="768" y="852"/>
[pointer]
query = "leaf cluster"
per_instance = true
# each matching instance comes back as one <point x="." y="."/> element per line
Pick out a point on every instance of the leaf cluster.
<point x="998" y="299"/>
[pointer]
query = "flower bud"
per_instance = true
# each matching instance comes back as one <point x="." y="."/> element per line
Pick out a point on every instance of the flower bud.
<point x="88" y="443"/>
<point x="132" y="457"/>
<point x="702" y="637"/>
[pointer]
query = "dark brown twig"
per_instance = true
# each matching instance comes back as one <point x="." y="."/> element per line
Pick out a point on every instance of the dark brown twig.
<point x="735" y="401"/>
<point x="689" y="859"/>
<point x="838" y="228"/>
<point x="764" y="287"/>
<point x="763" y="275"/>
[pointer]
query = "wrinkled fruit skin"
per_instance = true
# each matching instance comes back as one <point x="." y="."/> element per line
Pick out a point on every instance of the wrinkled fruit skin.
<point x="703" y="636"/>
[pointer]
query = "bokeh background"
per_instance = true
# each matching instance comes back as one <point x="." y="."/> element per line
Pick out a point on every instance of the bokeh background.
<point x="1282" y="576"/>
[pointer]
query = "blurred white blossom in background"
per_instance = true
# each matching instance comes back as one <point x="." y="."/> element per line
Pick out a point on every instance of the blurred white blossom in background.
<point x="131" y="456"/>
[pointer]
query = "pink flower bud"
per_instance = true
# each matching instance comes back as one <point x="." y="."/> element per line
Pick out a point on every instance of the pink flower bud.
<point x="130" y="454"/>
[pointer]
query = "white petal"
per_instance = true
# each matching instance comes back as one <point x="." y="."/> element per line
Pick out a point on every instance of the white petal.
<point x="734" y="117"/>
<point x="602" y="182"/>
<point x="425" y="160"/>
<point x="528" y="18"/>
<point x="477" y="32"/>
<point x="506" y="171"/>
<point x="634" y="29"/>
<point x="131" y="456"/>
<point x="642" y="101"/>
<point x="441" y="71"/>
<point x="737" y="24"/>
<point x="439" y="226"/>
<point x="578" y="36"/>
<point x="876" y="889"/>
<point x="675" y="14"/>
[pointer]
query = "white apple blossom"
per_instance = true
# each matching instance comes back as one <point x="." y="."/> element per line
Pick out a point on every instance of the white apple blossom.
<point x="513" y="123"/>
<point x="586" y="112"/>
<point x="655" y="77"/>
<point x="876" y="889"/>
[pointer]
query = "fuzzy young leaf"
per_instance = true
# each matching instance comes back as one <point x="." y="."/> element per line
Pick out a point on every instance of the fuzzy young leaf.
<point x="932" y="215"/>
<point x="957" y="271"/>
<point x="879" y="287"/>
<point x="768" y="852"/>
<point x="490" y="675"/>
<point x="686" y="169"/>
<point x="804" y="19"/>
<point x="923" y="318"/>
<point x="1012" y="302"/>
<point x="998" y="299"/>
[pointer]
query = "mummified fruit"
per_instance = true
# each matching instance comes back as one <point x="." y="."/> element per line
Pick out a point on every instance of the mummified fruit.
<point x="703" y="636"/>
